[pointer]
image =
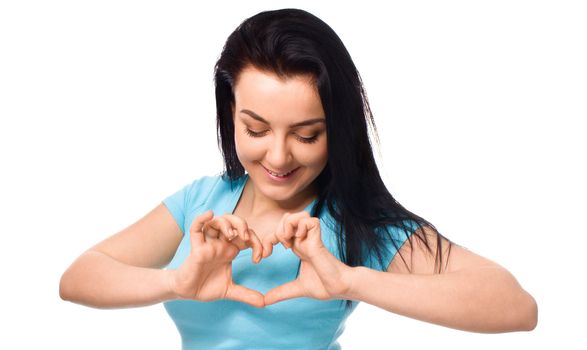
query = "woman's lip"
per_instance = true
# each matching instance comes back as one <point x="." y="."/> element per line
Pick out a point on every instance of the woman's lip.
<point x="275" y="172"/>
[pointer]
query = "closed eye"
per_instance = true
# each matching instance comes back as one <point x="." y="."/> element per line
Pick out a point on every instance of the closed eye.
<point x="312" y="139"/>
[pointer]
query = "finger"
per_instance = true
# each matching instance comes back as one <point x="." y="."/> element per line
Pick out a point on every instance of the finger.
<point x="302" y="229"/>
<point x="224" y="227"/>
<point x="199" y="221"/>
<point x="281" y="231"/>
<point x="245" y="295"/>
<point x="257" y="246"/>
<point x="290" y="228"/>
<point x="313" y="229"/>
<point x="232" y="228"/>
<point x="234" y="240"/>
<point x="196" y="233"/>
<point x="290" y="224"/>
<point x="227" y="233"/>
<point x="240" y="224"/>
<point x="286" y="291"/>
<point x="268" y="243"/>
<point x="209" y="230"/>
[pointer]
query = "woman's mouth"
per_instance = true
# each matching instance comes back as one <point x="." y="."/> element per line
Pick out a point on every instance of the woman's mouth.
<point x="280" y="176"/>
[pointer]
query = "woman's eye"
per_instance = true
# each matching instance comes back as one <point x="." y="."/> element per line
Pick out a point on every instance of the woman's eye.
<point x="254" y="134"/>
<point x="308" y="139"/>
<point x="300" y="138"/>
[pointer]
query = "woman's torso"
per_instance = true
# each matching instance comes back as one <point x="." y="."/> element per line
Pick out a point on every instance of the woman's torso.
<point x="301" y="323"/>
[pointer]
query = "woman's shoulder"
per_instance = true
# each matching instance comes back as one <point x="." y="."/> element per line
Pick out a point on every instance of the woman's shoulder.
<point x="216" y="181"/>
<point x="204" y="187"/>
<point x="213" y="185"/>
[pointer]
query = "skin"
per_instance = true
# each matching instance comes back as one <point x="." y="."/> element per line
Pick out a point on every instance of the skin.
<point x="266" y="109"/>
<point x="127" y="265"/>
<point x="411" y="288"/>
<point x="277" y="146"/>
<point x="472" y="293"/>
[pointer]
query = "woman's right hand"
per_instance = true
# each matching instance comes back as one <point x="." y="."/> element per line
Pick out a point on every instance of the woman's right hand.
<point x="206" y="274"/>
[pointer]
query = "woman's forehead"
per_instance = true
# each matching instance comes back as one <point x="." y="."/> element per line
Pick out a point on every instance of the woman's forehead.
<point x="274" y="98"/>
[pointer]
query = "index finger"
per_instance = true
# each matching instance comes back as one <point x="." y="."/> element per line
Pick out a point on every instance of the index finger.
<point x="248" y="237"/>
<point x="196" y="233"/>
<point x="255" y="243"/>
<point x="288" y="225"/>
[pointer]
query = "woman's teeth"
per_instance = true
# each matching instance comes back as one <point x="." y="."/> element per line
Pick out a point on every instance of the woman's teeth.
<point x="280" y="175"/>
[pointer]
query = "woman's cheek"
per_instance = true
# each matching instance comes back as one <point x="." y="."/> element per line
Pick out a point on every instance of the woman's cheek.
<point x="315" y="156"/>
<point x="247" y="149"/>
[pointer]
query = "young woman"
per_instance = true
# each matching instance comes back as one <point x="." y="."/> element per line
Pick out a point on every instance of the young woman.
<point x="301" y="189"/>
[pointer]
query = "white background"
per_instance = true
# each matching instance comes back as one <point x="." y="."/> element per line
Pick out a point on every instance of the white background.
<point x="108" y="107"/>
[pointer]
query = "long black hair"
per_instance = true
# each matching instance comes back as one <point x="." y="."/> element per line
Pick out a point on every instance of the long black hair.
<point x="291" y="42"/>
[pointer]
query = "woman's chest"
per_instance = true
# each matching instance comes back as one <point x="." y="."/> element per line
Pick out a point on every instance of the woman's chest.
<point x="262" y="226"/>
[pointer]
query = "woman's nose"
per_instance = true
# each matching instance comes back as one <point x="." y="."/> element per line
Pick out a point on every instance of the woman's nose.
<point x="279" y="155"/>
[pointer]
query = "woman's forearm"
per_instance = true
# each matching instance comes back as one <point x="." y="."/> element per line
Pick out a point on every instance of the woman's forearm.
<point x="97" y="280"/>
<point x="485" y="300"/>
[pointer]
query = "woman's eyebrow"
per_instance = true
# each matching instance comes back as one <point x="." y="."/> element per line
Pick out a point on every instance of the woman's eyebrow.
<point x="305" y="122"/>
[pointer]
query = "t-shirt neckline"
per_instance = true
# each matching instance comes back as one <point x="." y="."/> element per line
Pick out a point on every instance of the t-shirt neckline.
<point x="240" y="190"/>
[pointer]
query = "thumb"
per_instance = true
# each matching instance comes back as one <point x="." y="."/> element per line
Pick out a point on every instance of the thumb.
<point x="245" y="295"/>
<point x="286" y="291"/>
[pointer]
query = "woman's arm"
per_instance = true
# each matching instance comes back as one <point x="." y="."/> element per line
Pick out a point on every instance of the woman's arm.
<point x="472" y="293"/>
<point x="125" y="269"/>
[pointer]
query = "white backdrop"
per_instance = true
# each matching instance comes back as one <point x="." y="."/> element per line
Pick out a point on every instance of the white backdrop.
<point x="108" y="107"/>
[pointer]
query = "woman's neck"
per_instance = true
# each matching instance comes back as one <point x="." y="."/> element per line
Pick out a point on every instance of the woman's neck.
<point x="256" y="204"/>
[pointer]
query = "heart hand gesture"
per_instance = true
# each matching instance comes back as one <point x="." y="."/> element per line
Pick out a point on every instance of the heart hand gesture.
<point x="206" y="274"/>
<point x="322" y="276"/>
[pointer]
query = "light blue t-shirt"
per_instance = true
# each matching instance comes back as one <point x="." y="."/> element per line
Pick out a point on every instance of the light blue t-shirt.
<point x="301" y="323"/>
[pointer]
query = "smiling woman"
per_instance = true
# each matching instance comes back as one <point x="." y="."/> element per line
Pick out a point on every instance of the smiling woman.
<point x="293" y="123"/>
<point x="284" y="151"/>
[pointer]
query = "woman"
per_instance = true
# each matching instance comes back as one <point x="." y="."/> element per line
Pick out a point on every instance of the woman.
<point x="292" y="113"/>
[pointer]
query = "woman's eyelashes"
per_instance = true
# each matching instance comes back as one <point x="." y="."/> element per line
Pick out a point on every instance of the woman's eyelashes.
<point x="301" y="139"/>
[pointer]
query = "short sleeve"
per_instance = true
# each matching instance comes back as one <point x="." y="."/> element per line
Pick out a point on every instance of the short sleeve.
<point x="394" y="236"/>
<point x="187" y="198"/>
<point x="176" y="204"/>
<point x="191" y="197"/>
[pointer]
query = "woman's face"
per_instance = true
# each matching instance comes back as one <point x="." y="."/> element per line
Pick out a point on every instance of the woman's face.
<point x="280" y="128"/>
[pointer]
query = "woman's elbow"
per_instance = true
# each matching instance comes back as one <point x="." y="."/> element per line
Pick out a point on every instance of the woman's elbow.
<point x="70" y="283"/>
<point x="521" y="308"/>
<point x="523" y="315"/>
<point x="530" y="319"/>
<point x="65" y="287"/>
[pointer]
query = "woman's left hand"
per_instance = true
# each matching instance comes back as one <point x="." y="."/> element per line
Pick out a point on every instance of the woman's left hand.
<point x="322" y="276"/>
